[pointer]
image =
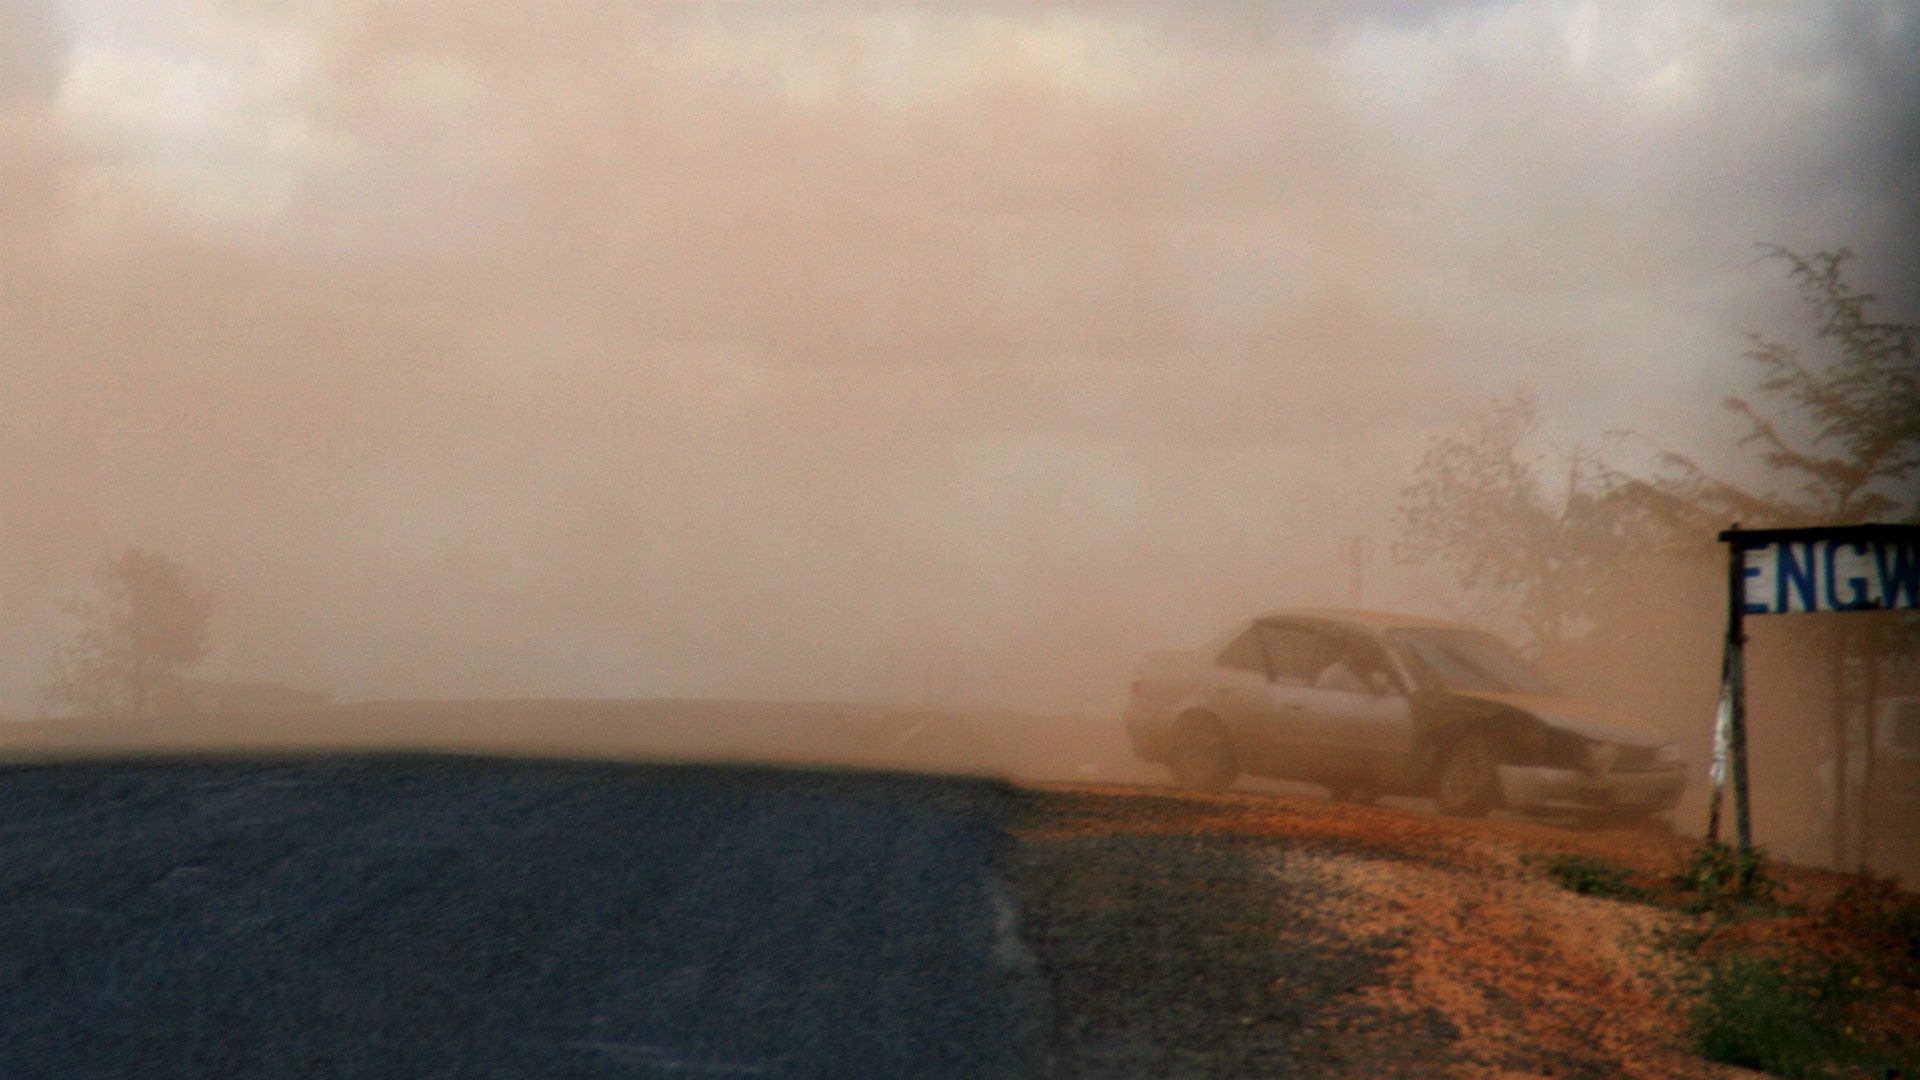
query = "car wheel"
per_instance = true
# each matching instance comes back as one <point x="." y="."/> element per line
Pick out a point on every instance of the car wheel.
<point x="1202" y="757"/>
<point x="1469" y="780"/>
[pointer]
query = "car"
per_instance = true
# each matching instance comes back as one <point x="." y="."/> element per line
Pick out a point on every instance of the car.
<point x="1371" y="703"/>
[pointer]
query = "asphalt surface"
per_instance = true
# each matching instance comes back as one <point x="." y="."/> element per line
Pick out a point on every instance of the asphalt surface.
<point x="482" y="918"/>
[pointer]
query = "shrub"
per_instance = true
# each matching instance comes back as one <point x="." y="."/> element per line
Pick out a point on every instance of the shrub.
<point x="1782" y="1013"/>
<point x="1787" y="1009"/>
<point x="1592" y="877"/>
<point x="1722" y="878"/>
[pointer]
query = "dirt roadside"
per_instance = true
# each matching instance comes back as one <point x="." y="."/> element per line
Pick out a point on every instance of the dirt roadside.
<point x="1236" y="934"/>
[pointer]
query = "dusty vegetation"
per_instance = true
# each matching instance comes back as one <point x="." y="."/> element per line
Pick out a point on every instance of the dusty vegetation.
<point x="1798" y="982"/>
<point x="1441" y="947"/>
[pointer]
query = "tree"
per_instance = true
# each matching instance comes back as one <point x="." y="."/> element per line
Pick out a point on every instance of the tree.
<point x="1531" y="550"/>
<point x="149" y="623"/>
<point x="1845" y="428"/>
<point x="1836" y="423"/>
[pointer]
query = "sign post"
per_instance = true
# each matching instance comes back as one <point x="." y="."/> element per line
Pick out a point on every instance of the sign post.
<point x="1790" y="571"/>
<point x="1730" y="720"/>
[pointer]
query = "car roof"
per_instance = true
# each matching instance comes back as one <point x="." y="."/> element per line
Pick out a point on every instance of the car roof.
<point x="1360" y="617"/>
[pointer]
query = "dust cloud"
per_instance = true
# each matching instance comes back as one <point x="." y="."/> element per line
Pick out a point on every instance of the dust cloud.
<point x="871" y="353"/>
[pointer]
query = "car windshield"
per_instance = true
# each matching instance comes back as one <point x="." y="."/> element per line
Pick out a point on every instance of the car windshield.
<point x="1469" y="660"/>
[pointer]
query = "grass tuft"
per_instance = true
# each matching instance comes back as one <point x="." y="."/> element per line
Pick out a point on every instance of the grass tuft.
<point x="1726" y="881"/>
<point x="1782" y="1012"/>
<point x="1594" y="877"/>
<point x="1788" y="1010"/>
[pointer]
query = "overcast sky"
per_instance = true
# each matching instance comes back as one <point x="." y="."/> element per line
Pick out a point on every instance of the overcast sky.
<point x="597" y="348"/>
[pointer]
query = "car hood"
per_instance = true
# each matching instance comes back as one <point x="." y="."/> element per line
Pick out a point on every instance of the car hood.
<point x="1577" y="717"/>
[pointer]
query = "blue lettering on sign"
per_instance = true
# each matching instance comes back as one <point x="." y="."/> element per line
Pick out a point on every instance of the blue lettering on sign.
<point x="1800" y="575"/>
<point x="1849" y="569"/>
<point x="1748" y="573"/>
<point x="1899" y="566"/>
<point x="1857" y="586"/>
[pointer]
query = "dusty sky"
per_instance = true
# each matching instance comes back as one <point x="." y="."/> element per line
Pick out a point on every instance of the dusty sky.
<point x="595" y="348"/>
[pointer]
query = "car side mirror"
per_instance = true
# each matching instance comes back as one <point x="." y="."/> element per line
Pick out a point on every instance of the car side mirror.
<point x="1382" y="684"/>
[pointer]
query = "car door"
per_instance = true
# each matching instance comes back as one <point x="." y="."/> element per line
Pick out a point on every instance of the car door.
<point x="1238" y="697"/>
<point x="1325" y="728"/>
<point x="1288" y="726"/>
<point x="1364" y="717"/>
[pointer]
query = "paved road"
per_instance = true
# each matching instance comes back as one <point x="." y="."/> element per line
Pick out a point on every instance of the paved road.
<point x="474" y="918"/>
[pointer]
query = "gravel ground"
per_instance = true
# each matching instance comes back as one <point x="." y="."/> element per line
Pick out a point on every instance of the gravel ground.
<point x="1170" y="951"/>
<point x="1252" y="935"/>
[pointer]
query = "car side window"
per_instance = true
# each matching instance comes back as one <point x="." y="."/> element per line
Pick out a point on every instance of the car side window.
<point x="1245" y="654"/>
<point x="1295" y="652"/>
<point x="1339" y="674"/>
<point x="1353" y="661"/>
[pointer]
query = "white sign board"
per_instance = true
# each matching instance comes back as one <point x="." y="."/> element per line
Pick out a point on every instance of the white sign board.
<point x="1831" y="574"/>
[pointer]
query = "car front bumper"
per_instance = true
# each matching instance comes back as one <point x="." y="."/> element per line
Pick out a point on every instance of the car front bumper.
<point x="1529" y="787"/>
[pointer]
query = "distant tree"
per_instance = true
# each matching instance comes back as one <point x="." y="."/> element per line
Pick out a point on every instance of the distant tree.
<point x="1531" y="537"/>
<point x="148" y="624"/>
<point x="1846" y="426"/>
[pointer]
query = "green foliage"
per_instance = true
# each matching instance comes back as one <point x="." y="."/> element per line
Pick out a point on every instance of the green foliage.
<point x="1785" y="1013"/>
<point x="1784" y="1010"/>
<point x="1723" y="879"/>
<point x="1593" y="877"/>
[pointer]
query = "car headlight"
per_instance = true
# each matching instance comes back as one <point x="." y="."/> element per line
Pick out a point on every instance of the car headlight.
<point x="1666" y="754"/>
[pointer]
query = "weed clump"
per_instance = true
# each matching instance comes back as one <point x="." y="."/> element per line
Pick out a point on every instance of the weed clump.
<point x="1779" y="1011"/>
<point x="1594" y="877"/>
<point x="1724" y="880"/>
<point x="1788" y="1009"/>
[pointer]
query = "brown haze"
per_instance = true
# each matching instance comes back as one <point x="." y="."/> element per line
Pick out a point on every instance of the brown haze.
<point x="862" y="352"/>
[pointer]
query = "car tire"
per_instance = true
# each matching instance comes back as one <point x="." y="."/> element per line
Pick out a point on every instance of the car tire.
<point x="1202" y="757"/>
<point x="1468" y="784"/>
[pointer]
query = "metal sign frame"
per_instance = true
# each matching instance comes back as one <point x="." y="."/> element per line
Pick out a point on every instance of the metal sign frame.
<point x="1804" y="582"/>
